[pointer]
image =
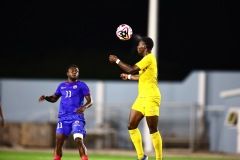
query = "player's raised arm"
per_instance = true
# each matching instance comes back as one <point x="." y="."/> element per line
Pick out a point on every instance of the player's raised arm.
<point x="126" y="67"/>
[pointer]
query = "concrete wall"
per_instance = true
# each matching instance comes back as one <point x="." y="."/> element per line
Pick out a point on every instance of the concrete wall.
<point x="28" y="134"/>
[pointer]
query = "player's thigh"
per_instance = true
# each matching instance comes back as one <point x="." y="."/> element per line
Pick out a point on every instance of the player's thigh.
<point x="152" y="106"/>
<point x="139" y="106"/>
<point x="134" y="119"/>
<point x="78" y="128"/>
<point x="64" y="127"/>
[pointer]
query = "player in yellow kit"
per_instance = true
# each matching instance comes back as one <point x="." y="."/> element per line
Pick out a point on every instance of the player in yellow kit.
<point x="148" y="100"/>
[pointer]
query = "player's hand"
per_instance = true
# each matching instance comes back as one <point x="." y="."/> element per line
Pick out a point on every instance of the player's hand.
<point x="2" y="123"/>
<point x="124" y="76"/>
<point x="80" y="110"/>
<point x="113" y="58"/>
<point x="42" y="98"/>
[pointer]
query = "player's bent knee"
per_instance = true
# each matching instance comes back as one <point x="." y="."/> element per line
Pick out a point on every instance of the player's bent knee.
<point x="77" y="135"/>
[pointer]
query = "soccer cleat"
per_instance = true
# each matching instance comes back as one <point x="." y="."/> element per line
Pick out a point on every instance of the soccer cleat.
<point x="145" y="157"/>
<point x="84" y="157"/>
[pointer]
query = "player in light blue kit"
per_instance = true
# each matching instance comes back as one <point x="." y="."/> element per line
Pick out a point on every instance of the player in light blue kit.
<point x="71" y="111"/>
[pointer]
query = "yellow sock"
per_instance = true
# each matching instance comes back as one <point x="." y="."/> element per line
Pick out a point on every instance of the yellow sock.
<point x="136" y="138"/>
<point x="157" y="144"/>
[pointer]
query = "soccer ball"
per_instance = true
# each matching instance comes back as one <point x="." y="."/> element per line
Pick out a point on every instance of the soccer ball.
<point x="124" y="32"/>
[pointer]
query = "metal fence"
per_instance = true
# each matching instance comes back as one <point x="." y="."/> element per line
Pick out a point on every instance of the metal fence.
<point x="177" y="124"/>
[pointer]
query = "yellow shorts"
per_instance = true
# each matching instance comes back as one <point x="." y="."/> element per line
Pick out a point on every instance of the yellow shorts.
<point x="148" y="106"/>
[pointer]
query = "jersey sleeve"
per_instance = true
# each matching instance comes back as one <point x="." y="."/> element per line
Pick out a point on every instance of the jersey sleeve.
<point x="144" y="63"/>
<point x="58" y="91"/>
<point x="85" y="89"/>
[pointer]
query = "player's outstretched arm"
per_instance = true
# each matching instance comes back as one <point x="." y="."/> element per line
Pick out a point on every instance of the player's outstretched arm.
<point x="52" y="98"/>
<point x="134" y="77"/>
<point x="126" y="76"/>
<point x="1" y="116"/>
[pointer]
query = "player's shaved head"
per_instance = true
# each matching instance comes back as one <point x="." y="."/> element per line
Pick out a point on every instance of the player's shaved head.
<point x="148" y="42"/>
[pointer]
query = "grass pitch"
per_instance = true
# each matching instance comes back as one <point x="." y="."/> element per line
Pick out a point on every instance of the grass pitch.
<point x="30" y="155"/>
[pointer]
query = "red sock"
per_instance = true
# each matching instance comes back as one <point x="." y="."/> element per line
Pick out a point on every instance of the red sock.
<point x="56" y="157"/>
<point x="84" y="157"/>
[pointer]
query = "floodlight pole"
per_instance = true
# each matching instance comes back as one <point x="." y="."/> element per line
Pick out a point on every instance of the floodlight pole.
<point x="152" y="32"/>
<point x="153" y="24"/>
<point x="99" y="104"/>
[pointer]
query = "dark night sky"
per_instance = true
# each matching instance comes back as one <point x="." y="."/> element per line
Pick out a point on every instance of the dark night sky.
<point x="41" y="38"/>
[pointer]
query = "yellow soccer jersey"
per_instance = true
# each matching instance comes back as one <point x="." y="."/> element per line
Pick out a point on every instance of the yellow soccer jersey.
<point x="148" y="82"/>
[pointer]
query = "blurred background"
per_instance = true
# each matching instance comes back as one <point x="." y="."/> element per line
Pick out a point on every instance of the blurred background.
<point x="199" y="71"/>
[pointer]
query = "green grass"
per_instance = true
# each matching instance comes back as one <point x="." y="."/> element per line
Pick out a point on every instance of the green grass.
<point x="29" y="155"/>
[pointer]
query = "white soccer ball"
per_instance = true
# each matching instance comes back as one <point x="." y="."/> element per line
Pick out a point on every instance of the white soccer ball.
<point x="124" y="32"/>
